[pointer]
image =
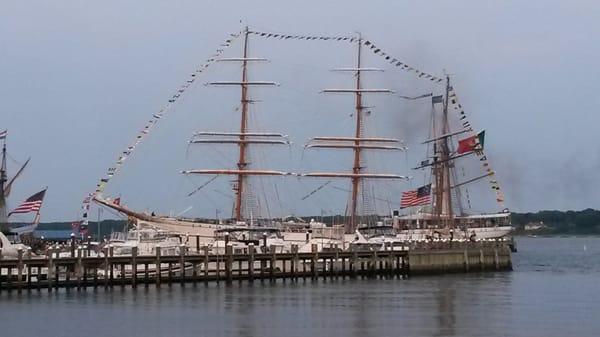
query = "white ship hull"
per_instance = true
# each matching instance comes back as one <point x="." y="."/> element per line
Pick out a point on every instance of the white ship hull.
<point x="481" y="233"/>
<point x="491" y="232"/>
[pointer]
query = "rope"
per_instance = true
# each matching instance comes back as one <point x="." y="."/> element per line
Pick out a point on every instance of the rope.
<point x="156" y="117"/>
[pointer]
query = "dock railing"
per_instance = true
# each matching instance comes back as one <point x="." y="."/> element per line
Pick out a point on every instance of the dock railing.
<point x="81" y="270"/>
<point x="81" y="267"/>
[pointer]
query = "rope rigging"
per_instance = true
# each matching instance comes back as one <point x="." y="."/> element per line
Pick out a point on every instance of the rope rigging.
<point x="367" y="193"/>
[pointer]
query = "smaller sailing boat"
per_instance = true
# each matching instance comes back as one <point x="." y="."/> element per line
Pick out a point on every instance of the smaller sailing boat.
<point x="441" y="212"/>
<point x="33" y="204"/>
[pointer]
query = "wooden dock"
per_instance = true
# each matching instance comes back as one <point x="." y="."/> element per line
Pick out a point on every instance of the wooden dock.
<point x="80" y="270"/>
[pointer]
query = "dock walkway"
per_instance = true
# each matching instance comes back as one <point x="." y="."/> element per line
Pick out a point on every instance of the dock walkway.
<point x="82" y="270"/>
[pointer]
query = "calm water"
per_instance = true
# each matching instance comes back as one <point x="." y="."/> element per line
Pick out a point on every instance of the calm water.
<point x="554" y="291"/>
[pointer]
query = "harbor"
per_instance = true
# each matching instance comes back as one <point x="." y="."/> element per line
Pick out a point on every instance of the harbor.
<point x="385" y="228"/>
<point x="281" y="169"/>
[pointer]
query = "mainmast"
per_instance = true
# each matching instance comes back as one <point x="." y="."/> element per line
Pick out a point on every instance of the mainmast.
<point x="441" y="169"/>
<point x="358" y="135"/>
<point x="358" y="143"/>
<point x="243" y="128"/>
<point x="5" y="183"/>
<point x="243" y="138"/>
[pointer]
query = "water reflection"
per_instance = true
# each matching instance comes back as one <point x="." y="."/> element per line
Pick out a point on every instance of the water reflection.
<point x="560" y="300"/>
<point x="445" y="296"/>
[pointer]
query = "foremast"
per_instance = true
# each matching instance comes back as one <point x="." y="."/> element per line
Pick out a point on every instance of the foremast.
<point x="243" y="138"/>
<point x="242" y="164"/>
<point x="358" y="143"/>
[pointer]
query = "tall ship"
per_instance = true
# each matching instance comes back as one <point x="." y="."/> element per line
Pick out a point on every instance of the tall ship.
<point x="432" y="207"/>
<point x="438" y="207"/>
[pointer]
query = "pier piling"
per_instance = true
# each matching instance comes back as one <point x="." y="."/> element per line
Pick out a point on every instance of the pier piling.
<point x="80" y="270"/>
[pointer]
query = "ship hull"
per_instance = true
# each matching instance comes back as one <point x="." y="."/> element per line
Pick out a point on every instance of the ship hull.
<point x="481" y="233"/>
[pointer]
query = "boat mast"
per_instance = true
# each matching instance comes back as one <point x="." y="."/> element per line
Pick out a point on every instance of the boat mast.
<point x="239" y="188"/>
<point x="441" y="170"/>
<point x="358" y="135"/>
<point x="448" y="164"/>
<point x="358" y="143"/>
<point x="243" y="138"/>
<point x="3" y="180"/>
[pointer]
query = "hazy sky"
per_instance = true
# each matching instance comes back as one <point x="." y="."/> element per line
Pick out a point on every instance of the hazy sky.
<point x="78" y="80"/>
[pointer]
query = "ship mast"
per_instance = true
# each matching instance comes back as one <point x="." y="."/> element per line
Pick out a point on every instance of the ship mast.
<point x="358" y="143"/>
<point x="243" y="138"/>
<point x="3" y="180"/>
<point x="358" y="135"/>
<point x="239" y="190"/>
<point x="441" y="169"/>
<point x="6" y="184"/>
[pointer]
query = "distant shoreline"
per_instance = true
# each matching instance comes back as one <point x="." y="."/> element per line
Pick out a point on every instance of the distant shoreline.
<point x="542" y="223"/>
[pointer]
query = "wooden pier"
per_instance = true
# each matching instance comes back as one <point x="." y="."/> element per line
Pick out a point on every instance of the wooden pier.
<point x="80" y="270"/>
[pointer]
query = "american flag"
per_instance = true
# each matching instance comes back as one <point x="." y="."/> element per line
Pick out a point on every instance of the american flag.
<point x="3" y="134"/>
<point x="32" y="204"/>
<point x="420" y="196"/>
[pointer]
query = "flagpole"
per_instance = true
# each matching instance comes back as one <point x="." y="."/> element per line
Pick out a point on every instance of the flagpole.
<point x="36" y="220"/>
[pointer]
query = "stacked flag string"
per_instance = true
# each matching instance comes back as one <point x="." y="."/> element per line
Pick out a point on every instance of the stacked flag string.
<point x="455" y="104"/>
<point x="303" y="37"/>
<point x="367" y="43"/>
<point x="156" y="117"/>
<point x="397" y="63"/>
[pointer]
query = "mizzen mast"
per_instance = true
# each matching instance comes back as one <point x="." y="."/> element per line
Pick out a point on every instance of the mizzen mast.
<point x="244" y="137"/>
<point x="3" y="180"/>
<point x="358" y="143"/>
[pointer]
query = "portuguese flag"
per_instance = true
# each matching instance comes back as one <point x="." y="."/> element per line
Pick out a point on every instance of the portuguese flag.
<point x="473" y="143"/>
